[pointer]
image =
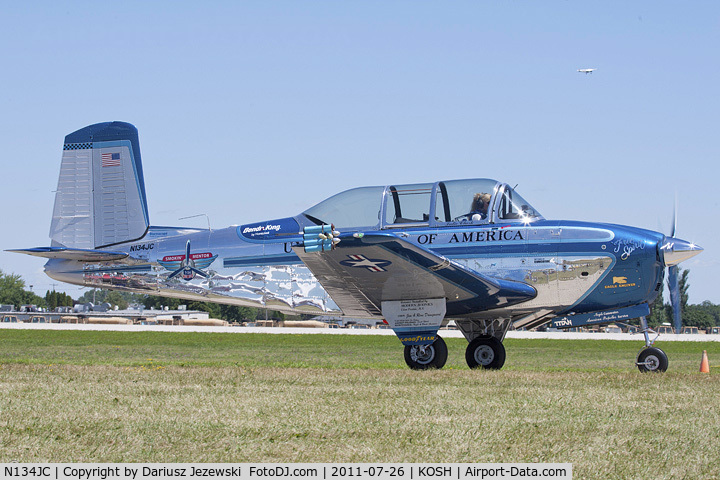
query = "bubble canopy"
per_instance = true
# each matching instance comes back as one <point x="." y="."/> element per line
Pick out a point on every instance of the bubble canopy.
<point x="451" y="202"/>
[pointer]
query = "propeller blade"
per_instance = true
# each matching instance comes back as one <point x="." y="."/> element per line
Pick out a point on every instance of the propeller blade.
<point x="674" y="217"/>
<point x="674" y="287"/>
<point x="199" y="272"/>
<point x="175" y="273"/>
<point x="187" y="251"/>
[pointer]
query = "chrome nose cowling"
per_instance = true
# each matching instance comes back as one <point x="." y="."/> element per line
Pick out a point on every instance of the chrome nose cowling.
<point x="676" y="250"/>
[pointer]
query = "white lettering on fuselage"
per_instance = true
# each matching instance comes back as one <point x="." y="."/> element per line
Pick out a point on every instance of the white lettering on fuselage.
<point x="261" y="228"/>
<point x="501" y="235"/>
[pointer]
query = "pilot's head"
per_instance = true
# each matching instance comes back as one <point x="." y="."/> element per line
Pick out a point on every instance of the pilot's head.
<point x="481" y="201"/>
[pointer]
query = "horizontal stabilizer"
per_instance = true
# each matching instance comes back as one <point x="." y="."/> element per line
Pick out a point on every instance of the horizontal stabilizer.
<point x="72" y="254"/>
<point x="362" y="272"/>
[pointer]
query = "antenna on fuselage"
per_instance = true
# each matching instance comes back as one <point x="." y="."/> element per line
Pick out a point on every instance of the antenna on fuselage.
<point x="198" y="215"/>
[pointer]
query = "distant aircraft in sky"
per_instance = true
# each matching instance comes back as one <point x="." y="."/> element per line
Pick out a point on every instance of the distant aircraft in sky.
<point x="586" y="70"/>
<point x="414" y="256"/>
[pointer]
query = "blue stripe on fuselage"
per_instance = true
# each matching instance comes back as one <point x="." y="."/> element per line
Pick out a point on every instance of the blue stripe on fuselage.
<point x="262" y="260"/>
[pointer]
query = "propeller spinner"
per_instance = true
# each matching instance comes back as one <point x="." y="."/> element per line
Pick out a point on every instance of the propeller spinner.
<point x="674" y="251"/>
<point x="187" y="267"/>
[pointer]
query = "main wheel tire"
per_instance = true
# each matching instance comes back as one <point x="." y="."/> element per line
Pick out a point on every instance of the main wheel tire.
<point x="652" y="359"/>
<point x="485" y="352"/>
<point x="432" y="356"/>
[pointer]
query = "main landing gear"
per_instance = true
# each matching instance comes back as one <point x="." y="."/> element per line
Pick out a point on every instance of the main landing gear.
<point x="485" y="348"/>
<point x="650" y="359"/>
<point x="423" y="357"/>
<point x="485" y="352"/>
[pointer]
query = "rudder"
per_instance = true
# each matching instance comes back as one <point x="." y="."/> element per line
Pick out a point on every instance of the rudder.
<point x="100" y="199"/>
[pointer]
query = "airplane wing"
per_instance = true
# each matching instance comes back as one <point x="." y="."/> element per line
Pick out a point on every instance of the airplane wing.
<point x="361" y="273"/>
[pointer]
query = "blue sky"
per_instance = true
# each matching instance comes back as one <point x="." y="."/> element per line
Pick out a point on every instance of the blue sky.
<point x="255" y="110"/>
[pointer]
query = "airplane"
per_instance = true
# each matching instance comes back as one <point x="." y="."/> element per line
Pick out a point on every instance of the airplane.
<point x="414" y="256"/>
<point x="586" y="70"/>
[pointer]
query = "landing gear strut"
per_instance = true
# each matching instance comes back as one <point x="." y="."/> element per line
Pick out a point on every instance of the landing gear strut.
<point x="485" y="349"/>
<point x="423" y="357"/>
<point x="650" y="359"/>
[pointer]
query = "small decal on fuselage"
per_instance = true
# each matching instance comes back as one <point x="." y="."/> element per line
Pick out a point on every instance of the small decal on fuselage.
<point x="620" y="282"/>
<point x="260" y="229"/>
<point x="142" y="247"/>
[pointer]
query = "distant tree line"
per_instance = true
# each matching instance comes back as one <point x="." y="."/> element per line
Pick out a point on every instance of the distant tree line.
<point x="231" y="313"/>
<point x="98" y="296"/>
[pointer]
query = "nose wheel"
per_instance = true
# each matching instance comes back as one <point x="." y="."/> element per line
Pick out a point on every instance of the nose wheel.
<point x="485" y="352"/>
<point x="650" y="359"/>
<point x="423" y="357"/>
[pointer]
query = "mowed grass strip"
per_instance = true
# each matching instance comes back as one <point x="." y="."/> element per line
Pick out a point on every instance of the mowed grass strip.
<point x="119" y="397"/>
<point x="75" y="347"/>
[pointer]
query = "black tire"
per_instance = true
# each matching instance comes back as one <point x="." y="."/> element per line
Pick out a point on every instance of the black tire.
<point x="434" y="356"/>
<point x="652" y="359"/>
<point x="485" y="352"/>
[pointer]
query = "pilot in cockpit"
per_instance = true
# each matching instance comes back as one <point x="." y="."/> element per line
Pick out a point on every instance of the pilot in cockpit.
<point x="479" y="207"/>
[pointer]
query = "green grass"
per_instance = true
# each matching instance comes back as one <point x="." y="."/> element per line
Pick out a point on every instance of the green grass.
<point x="74" y="347"/>
<point x="176" y="397"/>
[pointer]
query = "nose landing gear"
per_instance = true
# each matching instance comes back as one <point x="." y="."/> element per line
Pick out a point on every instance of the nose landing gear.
<point x="650" y="359"/>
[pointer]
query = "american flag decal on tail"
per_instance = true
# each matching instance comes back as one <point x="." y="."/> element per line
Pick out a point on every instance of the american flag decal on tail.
<point x="110" y="159"/>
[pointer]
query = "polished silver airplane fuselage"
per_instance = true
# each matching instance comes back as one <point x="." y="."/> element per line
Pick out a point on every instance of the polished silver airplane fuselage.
<point x="573" y="266"/>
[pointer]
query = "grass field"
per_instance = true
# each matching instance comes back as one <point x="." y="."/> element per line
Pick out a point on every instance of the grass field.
<point x="204" y="397"/>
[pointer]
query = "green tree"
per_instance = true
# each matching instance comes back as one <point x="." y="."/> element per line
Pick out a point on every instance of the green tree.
<point x="114" y="297"/>
<point x="213" y="309"/>
<point x="271" y="314"/>
<point x="696" y="316"/>
<point x="152" y="301"/>
<point x="233" y="313"/>
<point x="12" y="291"/>
<point x="156" y="302"/>
<point x="712" y="310"/>
<point x="55" y="299"/>
<point x="657" y="312"/>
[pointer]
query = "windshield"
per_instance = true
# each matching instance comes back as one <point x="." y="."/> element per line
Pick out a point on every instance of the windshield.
<point x="514" y="207"/>
<point x="359" y="207"/>
<point x="464" y="200"/>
